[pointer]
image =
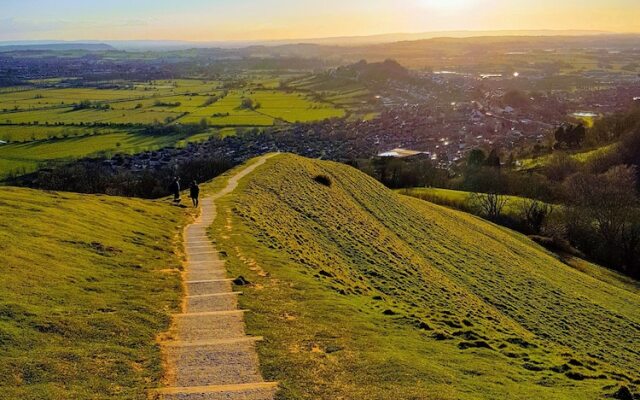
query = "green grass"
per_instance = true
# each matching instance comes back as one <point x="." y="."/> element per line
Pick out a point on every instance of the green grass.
<point x="29" y="133"/>
<point x="227" y="112"/>
<point x="459" y="199"/>
<point x="294" y="107"/>
<point x="274" y="105"/>
<point x="363" y="293"/>
<point x="30" y="117"/>
<point x="582" y="156"/>
<point x="87" y="282"/>
<point x="68" y="116"/>
<point x="27" y="157"/>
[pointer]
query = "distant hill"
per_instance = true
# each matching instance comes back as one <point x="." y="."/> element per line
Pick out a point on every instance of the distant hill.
<point x="56" y="47"/>
<point x="169" y="45"/>
<point x="372" y="72"/>
<point x="363" y="293"/>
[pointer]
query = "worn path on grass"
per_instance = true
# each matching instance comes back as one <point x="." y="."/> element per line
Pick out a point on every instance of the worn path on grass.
<point x="207" y="353"/>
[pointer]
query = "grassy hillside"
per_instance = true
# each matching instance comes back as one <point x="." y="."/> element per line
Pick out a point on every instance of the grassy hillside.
<point x="86" y="284"/>
<point x="362" y="293"/>
<point x="579" y="156"/>
<point x="457" y="198"/>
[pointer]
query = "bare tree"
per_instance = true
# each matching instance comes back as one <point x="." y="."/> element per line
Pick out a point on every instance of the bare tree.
<point x="605" y="204"/>
<point x="489" y="205"/>
<point x="534" y="213"/>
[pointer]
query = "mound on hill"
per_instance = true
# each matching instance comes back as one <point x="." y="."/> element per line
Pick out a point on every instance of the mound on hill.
<point x="86" y="284"/>
<point x="362" y="293"/>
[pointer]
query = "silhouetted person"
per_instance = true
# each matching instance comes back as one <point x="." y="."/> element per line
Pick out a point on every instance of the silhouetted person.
<point x="175" y="189"/>
<point x="195" y="193"/>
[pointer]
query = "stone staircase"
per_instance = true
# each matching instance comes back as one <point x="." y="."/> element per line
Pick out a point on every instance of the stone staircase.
<point x="208" y="355"/>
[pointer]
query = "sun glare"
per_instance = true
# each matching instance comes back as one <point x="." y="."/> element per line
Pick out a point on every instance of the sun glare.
<point x="447" y="5"/>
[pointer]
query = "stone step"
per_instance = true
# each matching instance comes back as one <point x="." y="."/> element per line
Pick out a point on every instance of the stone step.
<point x="214" y="302"/>
<point x="208" y="287"/>
<point x="214" y="364"/>
<point x="199" y="248"/>
<point x="205" y="274"/>
<point x="207" y="263"/>
<point x="247" y="391"/>
<point x="193" y="327"/>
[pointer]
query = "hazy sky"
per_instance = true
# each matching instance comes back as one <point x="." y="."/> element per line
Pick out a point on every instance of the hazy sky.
<point x="206" y="20"/>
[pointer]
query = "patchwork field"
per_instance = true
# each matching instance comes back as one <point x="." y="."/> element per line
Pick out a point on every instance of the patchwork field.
<point x="87" y="282"/>
<point x="32" y="133"/>
<point x="88" y="121"/>
<point x="273" y="105"/>
<point x="18" y="158"/>
<point x="343" y="93"/>
<point x="363" y="293"/>
<point x="162" y="100"/>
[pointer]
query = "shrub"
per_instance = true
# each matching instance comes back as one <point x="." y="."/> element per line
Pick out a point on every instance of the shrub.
<point x="323" y="180"/>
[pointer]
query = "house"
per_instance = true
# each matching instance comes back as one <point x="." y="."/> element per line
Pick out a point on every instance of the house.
<point x="404" y="153"/>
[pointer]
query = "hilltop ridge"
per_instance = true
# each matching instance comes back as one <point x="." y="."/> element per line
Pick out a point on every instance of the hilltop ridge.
<point x="364" y="293"/>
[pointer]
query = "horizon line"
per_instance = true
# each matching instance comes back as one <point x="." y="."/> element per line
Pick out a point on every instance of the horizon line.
<point x="458" y="35"/>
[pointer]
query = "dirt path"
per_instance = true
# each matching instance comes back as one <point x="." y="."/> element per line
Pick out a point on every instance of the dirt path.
<point x="208" y="355"/>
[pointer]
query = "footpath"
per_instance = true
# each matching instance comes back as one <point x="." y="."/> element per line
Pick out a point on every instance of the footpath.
<point x="208" y="355"/>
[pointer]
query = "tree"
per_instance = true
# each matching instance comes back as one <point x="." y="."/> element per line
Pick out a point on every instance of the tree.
<point x="560" y="166"/>
<point x="569" y="136"/>
<point x="534" y="213"/>
<point x="204" y="124"/>
<point x="493" y="159"/>
<point x="605" y="206"/>
<point x="489" y="205"/>
<point x="247" y="103"/>
<point x="476" y="158"/>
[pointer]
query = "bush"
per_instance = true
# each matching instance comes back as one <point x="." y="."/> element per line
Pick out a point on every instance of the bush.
<point x="323" y="180"/>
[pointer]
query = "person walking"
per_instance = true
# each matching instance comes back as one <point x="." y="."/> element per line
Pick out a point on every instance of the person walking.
<point x="175" y="189"/>
<point x="195" y="193"/>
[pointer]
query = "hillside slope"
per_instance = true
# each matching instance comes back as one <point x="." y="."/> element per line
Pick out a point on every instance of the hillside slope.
<point x="362" y="293"/>
<point x="86" y="284"/>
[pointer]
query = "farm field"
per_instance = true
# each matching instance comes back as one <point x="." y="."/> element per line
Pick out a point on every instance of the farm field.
<point x="89" y="121"/>
<point x="274" y="105"/>
<point x="68" y="116"/>
<point x="364" y="293"/>
<point x="341" y="92"/>
<point x="32" y="133"/>
<point x="146" y="103"/>
<point x="27" y="157"/>
<point x="227" y="111"/>
<point x="81" y="321"/>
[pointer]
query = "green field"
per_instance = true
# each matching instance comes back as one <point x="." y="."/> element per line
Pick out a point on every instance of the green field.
<point x="27" y="157"/>
<point x="31" y="133"/>
<point x="363" y="293"/>
<point x="341" y="92"/>
<point x="48" y="124"/>
<point x="581" y="156"/>
<point x="274" y="105"/>
<point x="87" y="283"/>
<point x="162" y="100"/>
<point x="459" y="199"/>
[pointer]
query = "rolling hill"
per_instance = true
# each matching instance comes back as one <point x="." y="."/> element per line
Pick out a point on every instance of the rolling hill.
<point x="362" y="293"/>
<point x="86" y="284"/>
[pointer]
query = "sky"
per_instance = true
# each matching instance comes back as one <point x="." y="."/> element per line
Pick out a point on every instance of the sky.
<point x="223" y="20"/>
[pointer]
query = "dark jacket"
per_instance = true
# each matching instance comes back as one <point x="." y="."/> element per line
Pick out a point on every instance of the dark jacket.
<point x="195" y="191"/>
<point x="175" y="187"/>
